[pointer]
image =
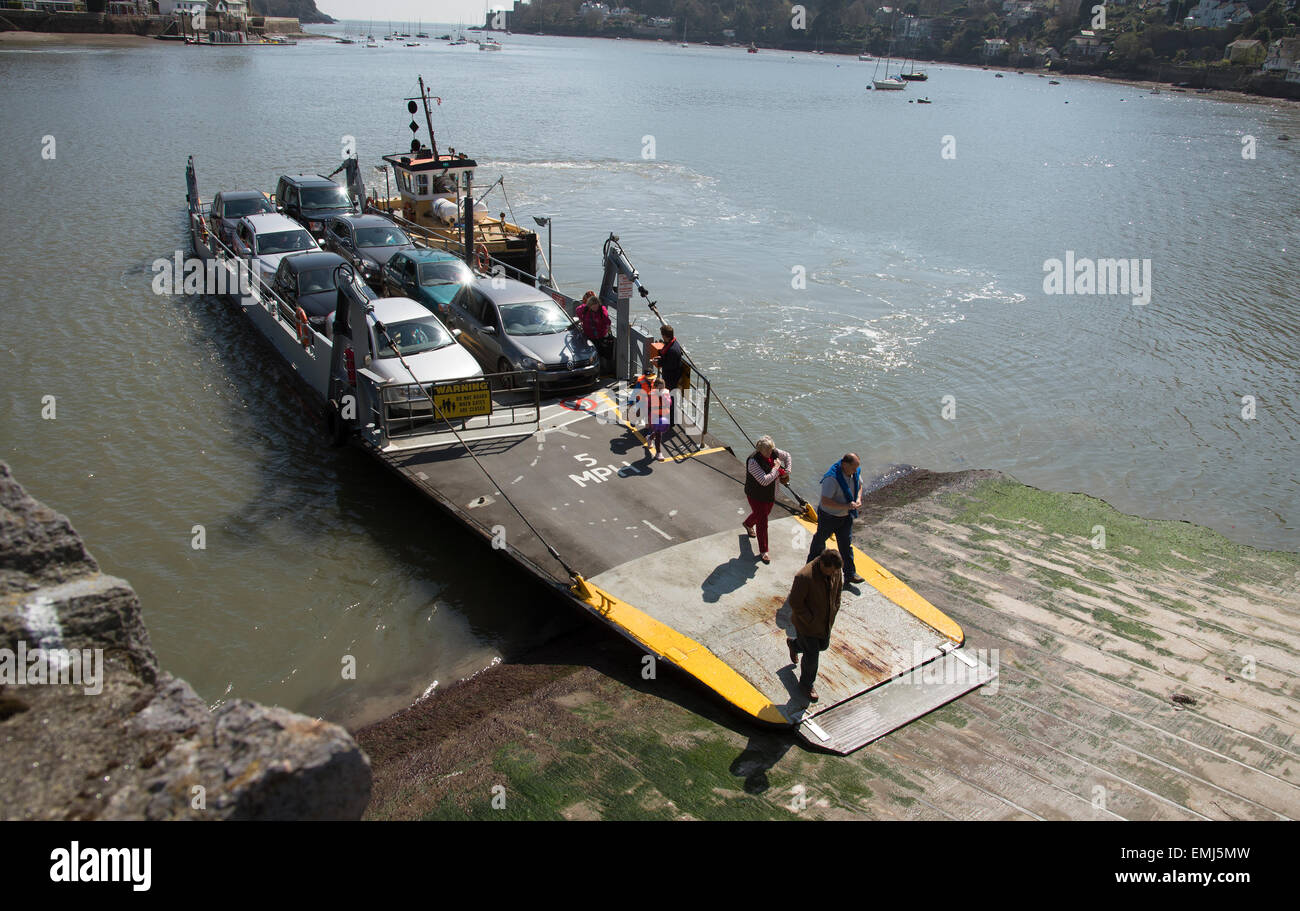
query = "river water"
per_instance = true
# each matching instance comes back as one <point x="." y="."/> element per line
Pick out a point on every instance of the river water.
<point x="840" y="261"/>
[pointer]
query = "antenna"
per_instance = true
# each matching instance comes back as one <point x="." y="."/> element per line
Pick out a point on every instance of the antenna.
<point x="424" y="98"/>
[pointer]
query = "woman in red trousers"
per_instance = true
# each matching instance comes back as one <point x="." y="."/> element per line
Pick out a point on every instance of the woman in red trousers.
<point x="763" y="469"/>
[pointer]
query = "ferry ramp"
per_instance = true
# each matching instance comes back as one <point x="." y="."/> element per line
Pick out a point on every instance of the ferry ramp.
<point x="662" y="558"/>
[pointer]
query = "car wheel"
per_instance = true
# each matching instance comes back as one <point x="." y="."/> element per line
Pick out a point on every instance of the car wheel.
<point x="506" y="382"/>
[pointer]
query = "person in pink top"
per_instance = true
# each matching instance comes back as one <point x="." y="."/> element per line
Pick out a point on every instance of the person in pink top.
<point x="594" y="318"/>
<point x="763" y="469"/>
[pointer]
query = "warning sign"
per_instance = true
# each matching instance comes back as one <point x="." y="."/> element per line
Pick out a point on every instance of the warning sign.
<point x="464" y="399"/>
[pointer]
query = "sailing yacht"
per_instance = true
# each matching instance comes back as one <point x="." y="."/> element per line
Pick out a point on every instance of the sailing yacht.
<point x="889" y="83"/>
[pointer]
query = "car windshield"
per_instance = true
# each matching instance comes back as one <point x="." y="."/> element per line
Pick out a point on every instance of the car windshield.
<point x="285" y="242"/>
<point x="312" y="281"/>
<point x="539" y="317"/>
<point x="325" y="198"/>
<point x="413" y="336"/>
<point x="255" y="205"/>
<point x="381" y="237"/>
<point x="450" y="272"/>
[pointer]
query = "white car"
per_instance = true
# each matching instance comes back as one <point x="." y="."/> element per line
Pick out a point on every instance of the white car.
<point x="266" y="239"/>
<point x="428" y="347"/>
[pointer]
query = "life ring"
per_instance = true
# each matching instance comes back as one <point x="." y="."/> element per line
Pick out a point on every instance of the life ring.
<point x="482" y="258"/>
<point x="304" y="327"/>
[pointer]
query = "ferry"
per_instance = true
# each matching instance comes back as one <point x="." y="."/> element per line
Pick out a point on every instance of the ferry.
<point x="653" y="549"/>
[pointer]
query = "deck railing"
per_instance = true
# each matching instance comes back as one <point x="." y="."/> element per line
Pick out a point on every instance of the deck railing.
<point x="402" y="411"/>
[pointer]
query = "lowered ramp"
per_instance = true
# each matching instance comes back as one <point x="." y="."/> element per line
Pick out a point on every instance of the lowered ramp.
<point x="856" y="722"/>
<point x="709" y="602"/>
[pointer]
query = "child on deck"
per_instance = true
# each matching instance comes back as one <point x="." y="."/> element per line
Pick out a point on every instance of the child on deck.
<point x="661" y="404"/>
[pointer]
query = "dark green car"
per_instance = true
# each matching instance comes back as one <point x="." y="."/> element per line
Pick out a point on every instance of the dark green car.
<point x="431" y="277"/>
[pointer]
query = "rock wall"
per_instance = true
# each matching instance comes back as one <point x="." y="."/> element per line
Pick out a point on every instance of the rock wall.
<point x="145" y="745"/>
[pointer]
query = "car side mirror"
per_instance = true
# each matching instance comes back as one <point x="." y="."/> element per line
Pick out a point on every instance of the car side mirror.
<point x="489" y="330"/>
<point x="455" y="333"/>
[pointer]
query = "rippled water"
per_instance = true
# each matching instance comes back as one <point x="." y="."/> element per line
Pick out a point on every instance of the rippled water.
<point x="924" y="280"/>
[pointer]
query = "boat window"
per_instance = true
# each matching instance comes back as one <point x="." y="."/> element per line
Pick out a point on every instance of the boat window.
<point x="285" y="242"/>
<point x="445" y="273"/>
<point x="382" y="237"/>
<point x="310" y="281"/>
<point x="539" y="317"/>
<point x="238" y="208"/>
<point x="423" y="184"/>
<point x="334" y="197"/>
<point x="413" y="336"/>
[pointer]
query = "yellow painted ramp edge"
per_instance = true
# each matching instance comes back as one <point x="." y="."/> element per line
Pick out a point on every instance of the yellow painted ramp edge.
<point x="893" y="588"/>
<point x="681" y="651"/>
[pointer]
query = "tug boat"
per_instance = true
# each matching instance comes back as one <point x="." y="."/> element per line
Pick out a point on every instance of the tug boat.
<point x="432" y="189"/>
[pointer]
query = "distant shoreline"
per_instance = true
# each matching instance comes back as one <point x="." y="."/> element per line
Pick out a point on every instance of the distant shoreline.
<point x="108" y="39"/>
<point x="89" y="39"/>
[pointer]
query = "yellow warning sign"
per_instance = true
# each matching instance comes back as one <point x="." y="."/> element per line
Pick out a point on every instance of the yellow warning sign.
<point x="464" y="399"/>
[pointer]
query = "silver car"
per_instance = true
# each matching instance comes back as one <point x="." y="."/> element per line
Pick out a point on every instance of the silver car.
<point x="509" y="326"/>
<point x="267" y="239"/>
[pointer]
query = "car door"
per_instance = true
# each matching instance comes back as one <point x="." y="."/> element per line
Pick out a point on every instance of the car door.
<point x="484" y="314"/>
<point x="460" y="316"/>
<point x="286" y="284"/>
<point x="243" y="243"/>
<point x="392" y="277"/>
<point x="336" y="232"/>
<point x="408" y="277"/>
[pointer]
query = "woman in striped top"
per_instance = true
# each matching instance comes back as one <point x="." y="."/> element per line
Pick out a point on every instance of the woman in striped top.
<point x="763" y="469"/>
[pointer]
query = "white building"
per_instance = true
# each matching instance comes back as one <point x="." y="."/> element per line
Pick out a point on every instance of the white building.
<point x="1217" y="14"/>
<point x="1283" y="55"/>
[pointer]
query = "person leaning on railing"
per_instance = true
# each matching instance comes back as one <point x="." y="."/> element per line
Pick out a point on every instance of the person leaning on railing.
<point x="594" y="318"/>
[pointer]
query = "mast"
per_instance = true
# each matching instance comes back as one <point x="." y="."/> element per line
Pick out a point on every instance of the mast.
<point x="428" y="120"/>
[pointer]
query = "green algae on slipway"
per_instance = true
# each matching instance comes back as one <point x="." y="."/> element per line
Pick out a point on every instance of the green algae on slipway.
<point x="1147" y="671"/>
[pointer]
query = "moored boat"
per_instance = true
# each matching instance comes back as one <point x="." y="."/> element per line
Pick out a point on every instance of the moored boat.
<point x="432" y="191"/>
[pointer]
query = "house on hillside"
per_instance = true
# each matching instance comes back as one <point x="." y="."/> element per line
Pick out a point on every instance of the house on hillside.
<point x="1087" y="45"/>
<point x="995" y="48"/>
<point x="1283" y="55"/>
<point x="1247" y="52"/>
<point x="1217" y="14"/>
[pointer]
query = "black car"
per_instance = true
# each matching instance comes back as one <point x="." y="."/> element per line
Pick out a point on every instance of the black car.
<point x="310" y="199"/>
<point x="229" y="207"/>
<point x="308" y="280"/>
<point x="366" y="241"/>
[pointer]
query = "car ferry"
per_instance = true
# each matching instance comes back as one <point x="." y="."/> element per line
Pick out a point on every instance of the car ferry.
<point x="564" y="486"/>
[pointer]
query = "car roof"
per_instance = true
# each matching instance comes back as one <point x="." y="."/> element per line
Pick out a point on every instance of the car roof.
<point x="241" y="194"/>
<point x="323" y="260"/>
<point x="425" y="255"/>
<point x="513" y="292"/>
<point x="395" y="309"/>
<point x="307" y="180"/>
<point x="364" y="221"/>
<point x="266" y="222"/>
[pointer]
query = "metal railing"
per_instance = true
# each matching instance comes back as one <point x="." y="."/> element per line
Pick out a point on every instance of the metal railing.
<point x="403" y="411"/>
<point x="262" y="294"/>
